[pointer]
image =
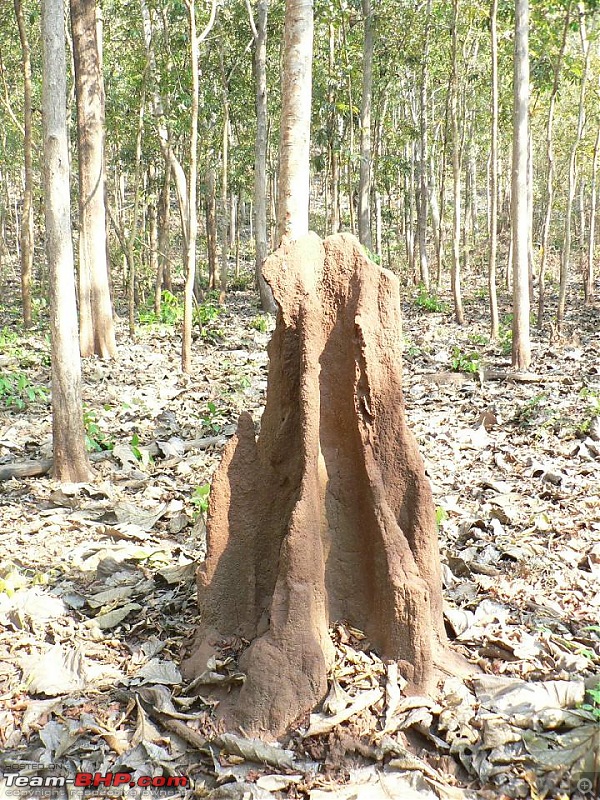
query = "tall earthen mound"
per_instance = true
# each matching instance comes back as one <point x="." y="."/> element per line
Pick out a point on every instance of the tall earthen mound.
<point x="327" y="515"/>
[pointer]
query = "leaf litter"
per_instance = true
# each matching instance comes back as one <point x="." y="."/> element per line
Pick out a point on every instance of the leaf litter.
<point x="97" y="595"/>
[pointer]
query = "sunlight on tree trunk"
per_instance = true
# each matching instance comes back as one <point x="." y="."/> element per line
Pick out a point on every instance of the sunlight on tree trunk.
<point x="294" y="143"/>
<point x="27" y="232"/>
<point x="68" y="436"/>
<point x="521" y="348"/>
<point x="96" y="327"/>
<point x="366" y="168"/>
<point x="588" y="282"/>
<point x="493" y="189"/>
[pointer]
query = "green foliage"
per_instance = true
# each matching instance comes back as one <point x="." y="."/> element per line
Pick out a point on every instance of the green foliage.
<point x="374" y="257"/>
<point x="16" y="391"/>
<point x="95" y="439"/>
<point x="200" y="498"/>
<point x="244" y="282"/>
<point x="205" y="315"/>
<point x="478" y="338"/>
<point x="430" y="302"/>
<point x="211" y="418"/>
<point x="260" y="323"/>
<point x="592" y="410"/>
<point x="134" y="443"/>
<point x="171" y="311"/>
<point x="464" y="362"/>
<point x="440" y="515"/>
<point x="594" y="706"/>
<point x="530" y="410"/>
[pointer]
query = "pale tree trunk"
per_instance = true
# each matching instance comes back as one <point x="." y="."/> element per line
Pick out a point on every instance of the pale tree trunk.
<point x="349" y="171"/>
<point x="27" y="234"/>
<point x="163" y="272"/>
<point x="192" y="220"/>
<point x="260" y="152"/>
<point x="493" y="185"/>
<point x="423" y="155"/>
<point x="365" y="177"/>
<point x="294" y="144"/>
<point x="223" y="209"/>
<point x="550" y="173"/>
<point x="588" y="281"/>
<point x="565" y="261"/>
<point x="70" y="458"/>
<point x="459" y="314"/>
<point x="96" y="328"/>
<point x="332" y="139"/>
<point x="521" y="347"/>
<point x="211" y="226"/>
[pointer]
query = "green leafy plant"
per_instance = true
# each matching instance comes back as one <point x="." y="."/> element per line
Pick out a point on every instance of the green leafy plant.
<point x="200" y="497"/>
<point x="592" y="410"/>
<point x="465" y="362"/>
<point x="430" y="302"/>
<point x="478" y="338"/>
<point x="171" y="311"/>
<point x="16" y="391"/>
<point x="374" y="257"/>
<point x="95" y="439"/>
<point x="594" y="706"/>
<point x="260" y="323"/>
<point x="134" y="443"/>
<point x="530" y="410"/>
<point x="212" y="419"/>
<point x="205" y="316"/>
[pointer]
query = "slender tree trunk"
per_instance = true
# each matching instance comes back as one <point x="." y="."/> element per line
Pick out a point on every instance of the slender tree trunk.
<point x="27" y="233"/>
<point x="260" y="153"/>
<point x="192" y="221"/>
<point x="365" y="179"/>
<point x="493" y="186"/>
<point x="588" y="281"/>
<point x="294" y="143"/>
<point x="521" y="348"/>
<point x="223" y="222"/>
<point x="565" y="262"/>
<point x="550" y="173"/>
<point x="163" y="271"/>
<point x="422" y="208"/>
<point x="68" y="435"/>
<point x="96" y="328"/>
<point x="459" y="315"/>
<point x="211" y="226"/>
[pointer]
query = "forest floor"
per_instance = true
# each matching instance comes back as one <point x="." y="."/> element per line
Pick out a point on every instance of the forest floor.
<point x="97" y="594"/>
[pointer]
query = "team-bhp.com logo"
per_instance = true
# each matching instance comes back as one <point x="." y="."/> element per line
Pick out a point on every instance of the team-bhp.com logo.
<point x="94" y="780"/>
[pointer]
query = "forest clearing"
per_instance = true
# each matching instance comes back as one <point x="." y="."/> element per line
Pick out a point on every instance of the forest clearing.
<point x="98" y="602"/>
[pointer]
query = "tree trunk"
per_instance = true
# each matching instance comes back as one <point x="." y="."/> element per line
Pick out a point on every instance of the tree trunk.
<point x="27" y="232"/>
<point x="211" y="226"/>
<point x="192" y="220"/>
<point x="550" y="173"/>
<point x="365" y="177"/>
<point x="163" y="272"/>
<point x="68" y="436"/>
<point x="493" y="186"/>
<point x="459" y="314"/>
<point x="294" y="143"/>
<point x="422" y="208"/>
<point x="588" y="278"/>
<point x="565" y="261"/>
<point x="328" y="515"/>
<point x="96" y="327"/>
<point x="521" y="348"/>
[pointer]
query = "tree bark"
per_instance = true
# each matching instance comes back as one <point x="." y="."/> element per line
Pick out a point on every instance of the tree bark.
<point x="96" y="327"/>
<point x="68" y="435"/>
<point x="459" y="314"/>
<point x="493" y="186"/>
<point x="365" y="177"/>
<point x="260" y="153"/>
<point x="27" y="232"/>
<point x="422" y="208"/>
<point x="550" y="172"/>
<point x="521" y="348"/>
<point x="294" y="143"/>
<point x="588" y="282"/>
<point x="565" y="261"/>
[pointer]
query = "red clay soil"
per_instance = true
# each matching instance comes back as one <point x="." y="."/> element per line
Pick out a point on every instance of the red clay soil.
<point x="327" y="515"/>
